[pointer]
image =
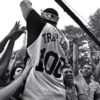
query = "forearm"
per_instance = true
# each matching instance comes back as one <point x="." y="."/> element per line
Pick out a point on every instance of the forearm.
<point x="26" y="7"/>
<point x="5" y="59"/>
<point x="9" y="90"/>
<point x="3" y="43"/>
<point x="75" y="59"/>
<point x="97" y="72"/>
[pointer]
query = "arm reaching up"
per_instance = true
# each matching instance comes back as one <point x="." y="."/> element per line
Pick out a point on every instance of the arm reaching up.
<point x="97" y="72"/>
<point x="4" y="61"/>
<point x="75" y="56"/>
<point x="8" y="91"/>
<point x="9" y="36"/>
<point x="26" y="7"/>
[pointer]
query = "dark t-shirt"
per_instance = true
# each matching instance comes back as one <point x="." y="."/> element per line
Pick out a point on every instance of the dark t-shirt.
<point x="35" y="25"/>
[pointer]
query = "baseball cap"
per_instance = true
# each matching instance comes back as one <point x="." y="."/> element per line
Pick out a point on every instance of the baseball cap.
<point x="50" y="14"/>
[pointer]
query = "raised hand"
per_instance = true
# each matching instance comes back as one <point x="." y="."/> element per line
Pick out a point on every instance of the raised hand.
<point x="17" y="33"/>
<point x="15" y="28"/>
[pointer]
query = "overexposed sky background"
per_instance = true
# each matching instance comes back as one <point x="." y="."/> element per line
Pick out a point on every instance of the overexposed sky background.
<point x="10" y="13"/>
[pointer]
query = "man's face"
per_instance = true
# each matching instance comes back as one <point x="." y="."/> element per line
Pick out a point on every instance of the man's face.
<point x="87" y="71"/>
<point x="68" y="76"/>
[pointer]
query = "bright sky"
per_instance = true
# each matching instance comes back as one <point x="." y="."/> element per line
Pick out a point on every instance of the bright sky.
<point x="10" y="13"/>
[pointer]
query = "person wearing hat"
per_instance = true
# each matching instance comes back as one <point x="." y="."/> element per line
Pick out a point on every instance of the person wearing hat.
<point x="47" y="48"/>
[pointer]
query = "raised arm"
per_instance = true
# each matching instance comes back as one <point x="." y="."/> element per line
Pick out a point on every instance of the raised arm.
<point x="4" y="61"/>
<point x="75" y="57"/>
<point x="8" y="37"/>
<point x="26" y="7"/>
<point x="33" y="20"/>
<point x="3" y="43"/>
<point x="97" y="72"/>
<point x="8" y="91"/>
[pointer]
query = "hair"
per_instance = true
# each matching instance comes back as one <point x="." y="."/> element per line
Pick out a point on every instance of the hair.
<point x="12" y="72"/>
<point x="66" y="65"/>
<point x="92" y="65"/>
<point x="50" y="15"/>
<point x="51" y="10"/>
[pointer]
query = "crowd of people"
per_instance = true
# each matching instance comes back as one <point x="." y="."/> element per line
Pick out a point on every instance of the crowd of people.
<point x="43" y="71"/>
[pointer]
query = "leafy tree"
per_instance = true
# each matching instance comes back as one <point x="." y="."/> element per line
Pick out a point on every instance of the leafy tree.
<point x="94" y="24"/>
<point x="72" y="32"/>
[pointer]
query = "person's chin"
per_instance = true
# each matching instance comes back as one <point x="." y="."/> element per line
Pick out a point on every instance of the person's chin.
<point x="85" y="75"/>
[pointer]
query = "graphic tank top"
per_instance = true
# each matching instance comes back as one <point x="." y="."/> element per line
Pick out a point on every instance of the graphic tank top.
<point x="48" y="55"/>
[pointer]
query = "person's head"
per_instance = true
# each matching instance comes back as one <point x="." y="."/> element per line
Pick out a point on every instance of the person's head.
<point x="88" y="70"/>
<point x="50" y="15"/>
<point x="17" y="70"/>
<point x="68" y="77"/>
